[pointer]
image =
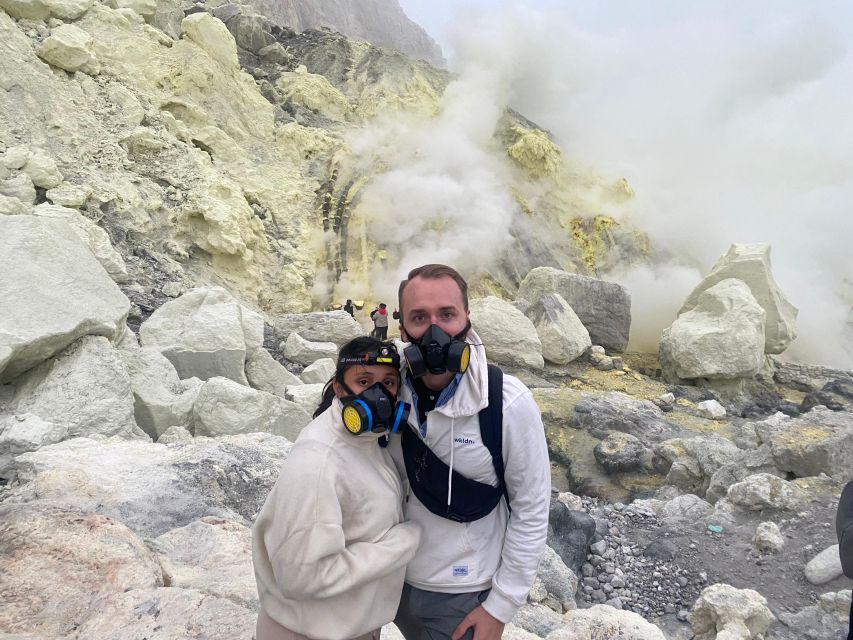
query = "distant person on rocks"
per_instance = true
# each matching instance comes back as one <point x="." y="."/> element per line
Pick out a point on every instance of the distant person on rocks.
<point x="349" y="308"/>
<point x="844" y="529"/>
<point x="330" y="545"/>
<point x="476" y="460"/>
<point x="380" y="322"/>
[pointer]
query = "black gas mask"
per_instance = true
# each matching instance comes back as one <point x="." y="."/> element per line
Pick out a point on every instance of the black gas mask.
<point x="438" y="352"/>
<point x="374" y="410"/>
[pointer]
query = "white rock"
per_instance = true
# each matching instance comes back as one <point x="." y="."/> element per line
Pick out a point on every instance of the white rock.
<point x="13" y="207"/>
<point x="508" y="334"/>
<point x="722" y="336"/>
<point x="319" y="372"/>
<point x="212" y="555"/>
<point x="69" y="296"/>
<point x="173" y="289"/>
<point x="145" y="8"/>
<point x="26" y="9"/>
<point x="301" y="351"/>
<point x="69" y="559"/>
<point x="212" y="36"/>
<point x="750" y="263"/>
<point x="711" y="409"/>
<point x="824" y="567"/>
<point x="265" y="373"/>
<point x="307" y="396"/>
<point x="19" y="187"/>
<point x="764" y="491"/>
<point x="224" y="407"/>
<point x="335" y="326"/>
<point x="27" y="432"/>
<point x="175" y="434"/>
<point x="69" y="195"/>
<point x="69" y="48"/>
<point x="559" y="581"/>
<point x="562" y="334"/>
<point x="601" y="622"/>
<point x="94" y="236"/>
<point x="15" y="157"/>
<point x="42" y="170"/>
<point x="687" y="506"/>
<point x="572" y="501"/>
<point x="84" y="388"/>
<point x="253" y="328"/>
<point x="768" y="538"/>
<point x="68" y="9"/>
<point x="721" y="611"/>
<point x="201" y="333"/>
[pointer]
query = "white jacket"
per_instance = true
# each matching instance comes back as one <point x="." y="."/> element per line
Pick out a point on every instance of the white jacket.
<point x="488" y="553"/>
<point x="329" y="545"/>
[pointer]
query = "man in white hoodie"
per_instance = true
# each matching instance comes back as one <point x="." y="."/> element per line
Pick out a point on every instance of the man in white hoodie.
<point x="479" y="555"/>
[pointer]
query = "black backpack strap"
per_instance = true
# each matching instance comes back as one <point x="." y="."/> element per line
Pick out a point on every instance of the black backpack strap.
<point x="491" y="426"/>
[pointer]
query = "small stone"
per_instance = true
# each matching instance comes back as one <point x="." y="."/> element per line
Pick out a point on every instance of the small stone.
<point x="682" y="615"/>
<point x="598" y="548"/>
<point x="715" y="528"/>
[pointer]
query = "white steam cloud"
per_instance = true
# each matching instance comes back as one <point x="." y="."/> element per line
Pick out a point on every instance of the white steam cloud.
<point x="730" y="120"/>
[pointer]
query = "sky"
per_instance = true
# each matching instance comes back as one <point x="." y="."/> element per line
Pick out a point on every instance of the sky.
<point x="730" y="120"/>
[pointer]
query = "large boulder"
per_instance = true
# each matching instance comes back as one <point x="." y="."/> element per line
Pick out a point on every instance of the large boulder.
<point x="167" y="613"/>
<point x="556" y="580"/>
<point x="67" y="294"/>
<point x="721" y="611"/>
<point x="765" y="491"/>
<point x="57" y="564"/>
<point x="569" y="534"/>
<point x="42" y="170"/>
<point x="820" y="441"/>
<point x="213" y="37"/>
<point x="154" y="488"/>
<point x="721" y="336"/>
<point x="224" y="407"/>
<point x="824" y="567"/>
<point x="826" y="620"/>
<point x="307" y="396"/>
<point x="251" y="32"/>
<point x="509" y="336"/>
<point x="319" y="372"/>
<point x="301" y="351"/>
<point x="26" y="9"/>
<point x="204" y="334"/>
<point x="603" y="622"/>
<point x="85" y="388"/>
<point x="561" y="332"/>
<point x="604" y="308"/>
<point x="94" y="236"/>
<point x="212" y="555"/>
<point x="620" y="452"/>
<point x="745" y="464"/>
<point x="265" y="373"/>
<point x="537" y="619"/>
<point x="27" y="432"/>
<point x="615" y="411"/>
<point x="691" y="462"/>
<point x="19" y="187"/>
<point x="68" y="9"/>
<point x="750" y="263"/>
<point x="319" y="326"/>
<point x="69" y="48"/>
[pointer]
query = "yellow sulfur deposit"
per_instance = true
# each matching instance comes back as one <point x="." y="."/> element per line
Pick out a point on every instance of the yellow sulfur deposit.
<point x="313" y="92"/>
<point x="592" y="237"/>
<point x="534" y="152"/>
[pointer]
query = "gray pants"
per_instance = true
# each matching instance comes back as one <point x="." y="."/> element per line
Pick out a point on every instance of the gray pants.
<point x="429" y="615"/>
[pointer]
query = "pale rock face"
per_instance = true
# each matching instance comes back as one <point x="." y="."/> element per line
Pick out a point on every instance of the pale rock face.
<point x="60" y="563"/>
<point x="824" y="567"/>
<point x="694" y="461"/>
<point x="68" y="9"/>
<point x="508" y="334"/>
<point x="266" y="374"/>
<point x="27" y="432"/>
<point x="167" y="613"/>
<point x="15" y="157"/>
<point x="313" y="92"/>
<point x="84" y="388"/>
<point x="307" y="396"/>
<point x="69" y="195"/>
<point x="69" y="48"/>
<point x="13" y="206"/>
<point x="42" y="170"/>
<point x="94" y="236"/>
<point x="562" y="334"/>
<point x="224" y="407"/>
<point x="711" y="409"/>
<point x="301" y="351"/>
<point x="602" y="622"/>
<point x="558" y="581"/>
<point x="19" y="187"/>
<point x="750" y="263"/>
<point x="175" y="434"/>
<point x="213" y="36"/>
<point x="537" y="619"/>
<point x="201" y="333"/>
<point x="26" y="9"/>
<point x="764" y="491"/>
<point x="319" y="326"/>
<point x="722" y="336"/>
<point x="71" y="295"/>
<point x="144" y="8"/>
<point x="154" y="488"/>
<point x="319" y="371"/>
<point x="604" y="308"/>
<point x="768" y="538"/>
<point x="737" y="613"/>
<point x="211" y="555"/>
<point x="253" y="328"/>
<point x="686" y="507"/>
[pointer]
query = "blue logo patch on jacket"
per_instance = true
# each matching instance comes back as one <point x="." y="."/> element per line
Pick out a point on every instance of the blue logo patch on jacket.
<point x="460" y="570"/>
<point x="463" y="440"/>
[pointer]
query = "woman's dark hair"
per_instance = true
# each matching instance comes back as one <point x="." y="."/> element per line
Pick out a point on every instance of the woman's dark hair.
<point x="353" y="348"/>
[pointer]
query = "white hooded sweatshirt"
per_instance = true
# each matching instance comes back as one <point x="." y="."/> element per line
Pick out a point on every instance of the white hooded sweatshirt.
<point x="497" y="552"/>
<point x="329" y="545"/>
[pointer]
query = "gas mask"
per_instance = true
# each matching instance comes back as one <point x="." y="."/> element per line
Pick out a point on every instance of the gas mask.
<point x="374" y="410"/>
<point x="438" y="352"/>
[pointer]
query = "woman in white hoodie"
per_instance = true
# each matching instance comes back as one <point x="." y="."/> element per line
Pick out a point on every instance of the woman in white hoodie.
<point x="330" y="546"/>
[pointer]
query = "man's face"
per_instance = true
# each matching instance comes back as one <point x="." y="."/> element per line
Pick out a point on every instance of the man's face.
<point x="429" y="301"/>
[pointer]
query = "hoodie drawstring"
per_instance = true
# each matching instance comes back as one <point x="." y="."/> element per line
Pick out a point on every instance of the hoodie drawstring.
<point x="450" y="470"/>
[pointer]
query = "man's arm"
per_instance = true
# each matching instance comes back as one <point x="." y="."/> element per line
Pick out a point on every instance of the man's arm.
<point x="528" y="479"/>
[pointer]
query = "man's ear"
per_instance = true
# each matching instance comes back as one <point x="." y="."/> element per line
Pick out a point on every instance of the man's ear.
<point x="403" y="335"/>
